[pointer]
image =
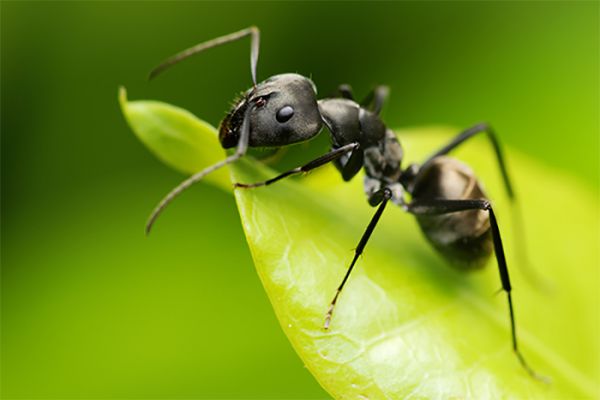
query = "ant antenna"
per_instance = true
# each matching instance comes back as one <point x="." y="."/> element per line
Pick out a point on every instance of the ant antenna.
<point x="239" y="152"/>
<point x="251" y="31"/>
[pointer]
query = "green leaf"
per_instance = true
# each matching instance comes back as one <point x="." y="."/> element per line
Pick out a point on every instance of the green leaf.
<point x="408" y="325"/>
<point x="175" y="136"/>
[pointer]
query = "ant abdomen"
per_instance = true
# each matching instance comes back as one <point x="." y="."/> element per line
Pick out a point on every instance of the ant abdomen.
<point x="464" y="237"/>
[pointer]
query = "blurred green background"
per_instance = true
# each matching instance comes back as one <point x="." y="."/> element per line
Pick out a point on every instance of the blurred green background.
<point x="93" y="309"/>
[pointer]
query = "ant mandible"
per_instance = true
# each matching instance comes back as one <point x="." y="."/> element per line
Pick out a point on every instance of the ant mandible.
<point x="447" y="199"/>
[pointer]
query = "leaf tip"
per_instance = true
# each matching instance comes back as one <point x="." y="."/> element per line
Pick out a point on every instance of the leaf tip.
<point x="122" y="96"/>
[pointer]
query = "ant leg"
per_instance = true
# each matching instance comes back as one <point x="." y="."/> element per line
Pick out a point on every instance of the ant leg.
<point x="241" y="149"/>
<point x="373" y="101"/>
<point x="345" y="91"/>
<point x="254" y="46"/>
<point x="331" y="156"/>
<point x="380" y="197"/>
<point x="518" y="226"/>
<point x="468" y="133"/>
<point x="376" y="98"/>
<point x="443" y="206"/>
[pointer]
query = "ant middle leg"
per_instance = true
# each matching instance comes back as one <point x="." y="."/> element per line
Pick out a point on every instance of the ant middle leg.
<point x="380" y="197"/>
<point x="443" y="206"/>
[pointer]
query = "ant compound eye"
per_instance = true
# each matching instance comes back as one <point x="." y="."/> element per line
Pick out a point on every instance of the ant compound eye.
<point x="284" y="114"/>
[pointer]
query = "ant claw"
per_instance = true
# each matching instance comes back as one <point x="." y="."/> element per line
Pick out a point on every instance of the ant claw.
<point x="238" y="185"/>
<point x="327" y="322"/>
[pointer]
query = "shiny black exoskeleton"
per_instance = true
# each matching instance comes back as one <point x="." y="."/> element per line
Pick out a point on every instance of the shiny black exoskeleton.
<point x="446" y="198"/>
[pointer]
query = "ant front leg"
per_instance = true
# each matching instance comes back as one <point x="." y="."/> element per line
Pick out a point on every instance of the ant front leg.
<point x="443" y="206"/>
<point x="331" y="156"/>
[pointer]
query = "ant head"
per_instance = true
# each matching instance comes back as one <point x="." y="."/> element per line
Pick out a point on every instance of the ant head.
<point x="283" y="110"/>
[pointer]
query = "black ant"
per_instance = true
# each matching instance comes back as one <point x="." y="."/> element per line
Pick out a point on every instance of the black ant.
<point x="447" y="199"/>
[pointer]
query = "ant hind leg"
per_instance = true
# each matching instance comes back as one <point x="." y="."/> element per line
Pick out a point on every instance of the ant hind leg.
<point x="443" y="206"/>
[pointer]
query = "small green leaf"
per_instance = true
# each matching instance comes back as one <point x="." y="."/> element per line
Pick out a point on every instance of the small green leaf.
<point x="407" y="325"/>
<point x="175" y="136"/>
